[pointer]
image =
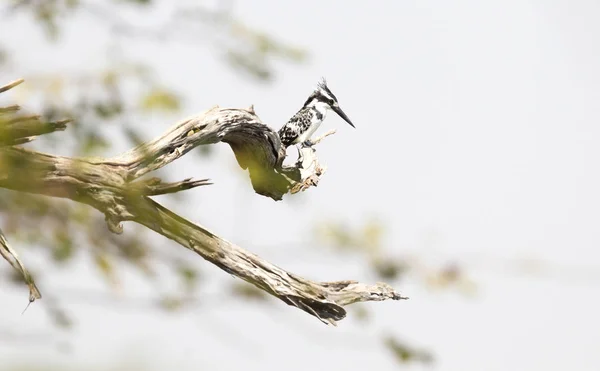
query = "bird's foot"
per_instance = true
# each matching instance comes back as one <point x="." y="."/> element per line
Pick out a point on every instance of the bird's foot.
<point x="307" y="143"/>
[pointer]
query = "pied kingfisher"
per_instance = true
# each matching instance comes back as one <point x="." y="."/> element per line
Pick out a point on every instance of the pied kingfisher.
<point x="304" y="123"/>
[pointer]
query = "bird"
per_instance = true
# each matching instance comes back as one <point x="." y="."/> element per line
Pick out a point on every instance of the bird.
<point x="300" y="128"/>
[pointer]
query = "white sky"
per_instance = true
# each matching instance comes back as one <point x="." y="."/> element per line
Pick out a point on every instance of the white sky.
<point x="477" y="122"/>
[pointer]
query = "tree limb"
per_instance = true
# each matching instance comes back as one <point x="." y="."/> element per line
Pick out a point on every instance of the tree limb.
<point x="109" y="186"/>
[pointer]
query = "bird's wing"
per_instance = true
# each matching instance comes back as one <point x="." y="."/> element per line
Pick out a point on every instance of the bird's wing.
<point x="294" y="127"/>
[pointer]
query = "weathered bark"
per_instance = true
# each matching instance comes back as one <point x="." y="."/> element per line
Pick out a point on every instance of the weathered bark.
<point x="111" y="186"/>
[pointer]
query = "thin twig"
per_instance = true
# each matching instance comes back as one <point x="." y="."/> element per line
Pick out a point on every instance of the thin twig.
<point x="9" y="109"/>
<point x="319" y="139"/>
<point x="13" y="259"/>
<point x="10" y="85"/>
<point x="154" y="186"/>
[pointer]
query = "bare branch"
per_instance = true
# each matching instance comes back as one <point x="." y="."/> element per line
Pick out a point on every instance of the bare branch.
<point x="256" y="146"/>
<point x="13" y="259"/>
<point x="9" y="109"/>
<point x="106" y="184"/>
<point x="319" y="139"/>
<point x="155" y="186"/>
<point x="23" y="129"/>
<point x="10" y="85"/>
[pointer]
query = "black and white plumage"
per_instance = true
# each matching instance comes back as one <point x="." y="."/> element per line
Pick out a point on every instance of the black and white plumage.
<point x="305" y="122"/>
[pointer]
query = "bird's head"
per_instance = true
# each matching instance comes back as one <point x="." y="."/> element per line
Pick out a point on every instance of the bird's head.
<point x="322" y="97"/>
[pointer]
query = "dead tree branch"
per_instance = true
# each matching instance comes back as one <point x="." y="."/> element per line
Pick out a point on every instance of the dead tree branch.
<point x="112" y="187"/>
<point x="12" y="258"/>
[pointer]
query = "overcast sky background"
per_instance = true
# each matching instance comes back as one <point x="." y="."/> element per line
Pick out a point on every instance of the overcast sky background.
<point x="477" y="141"/>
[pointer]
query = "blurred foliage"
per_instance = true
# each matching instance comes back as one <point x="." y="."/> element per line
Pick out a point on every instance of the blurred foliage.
<point x="92" y="101"/>
<point x="405" y="353"/>
<point x="160" y="99"/>
<point x="369" y="240"/>
<point x="242" y="290"/>
<point x="132" y="359"/>
<point x="249" y="51"/>
<point x="109" y="99"/>
<point x="47" y="13"/>
<point x="68" y="228"/>
<point x="451" y="275"/>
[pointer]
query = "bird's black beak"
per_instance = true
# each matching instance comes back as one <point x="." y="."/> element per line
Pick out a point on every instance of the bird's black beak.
<point x="341" y="113"/>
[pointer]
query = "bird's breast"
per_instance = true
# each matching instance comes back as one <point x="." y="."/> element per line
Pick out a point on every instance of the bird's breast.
<point x="307" y="134"/>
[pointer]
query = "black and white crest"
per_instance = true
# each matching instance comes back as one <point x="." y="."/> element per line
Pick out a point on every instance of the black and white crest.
<point x="322" y="94"/>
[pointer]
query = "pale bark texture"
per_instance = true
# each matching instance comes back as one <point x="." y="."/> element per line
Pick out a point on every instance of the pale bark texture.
<point x="112" y="186"/>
